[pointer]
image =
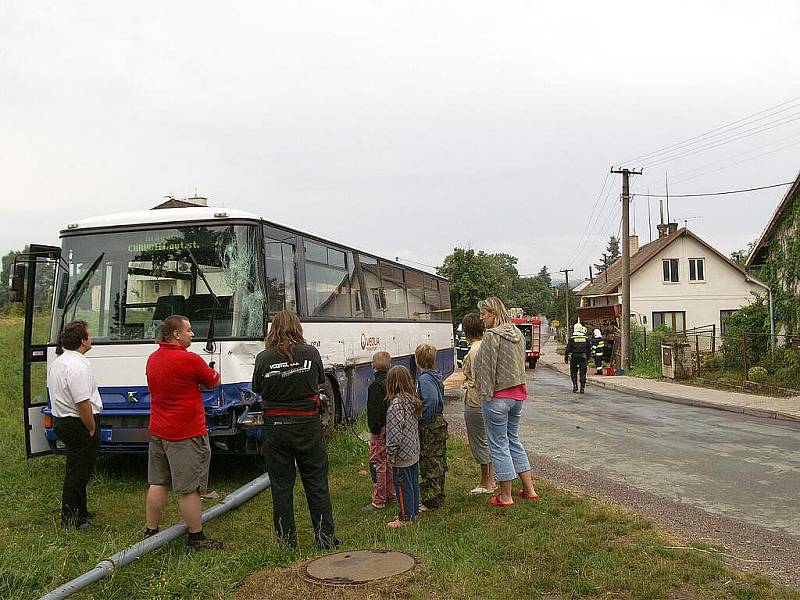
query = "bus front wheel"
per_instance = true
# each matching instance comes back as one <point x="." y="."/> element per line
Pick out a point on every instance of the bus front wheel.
<point x="330" y="410"/>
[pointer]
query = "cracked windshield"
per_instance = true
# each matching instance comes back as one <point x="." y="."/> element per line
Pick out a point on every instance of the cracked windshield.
<point x="144" y="277"/>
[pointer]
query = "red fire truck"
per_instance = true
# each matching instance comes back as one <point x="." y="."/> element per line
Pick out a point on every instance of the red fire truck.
<point x="531" y="328"/>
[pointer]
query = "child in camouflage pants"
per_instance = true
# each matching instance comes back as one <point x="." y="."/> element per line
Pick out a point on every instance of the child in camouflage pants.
<point x="432" y="429"/>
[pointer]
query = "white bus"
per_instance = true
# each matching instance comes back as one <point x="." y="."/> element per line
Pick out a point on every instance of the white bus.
<point x="228" y="271"/>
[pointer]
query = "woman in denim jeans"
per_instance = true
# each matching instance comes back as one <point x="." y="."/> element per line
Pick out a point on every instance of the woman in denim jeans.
<point x="499" y="367"/>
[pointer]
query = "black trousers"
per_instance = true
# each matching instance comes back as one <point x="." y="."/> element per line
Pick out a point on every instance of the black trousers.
<point x="82" y="451"/>
<point x="598" y="361"/>
<point x="292" y="445"/>
<point x="578" y="362"/>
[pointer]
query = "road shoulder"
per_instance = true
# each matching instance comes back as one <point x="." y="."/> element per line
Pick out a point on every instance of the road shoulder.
<point x="783" y="409"/>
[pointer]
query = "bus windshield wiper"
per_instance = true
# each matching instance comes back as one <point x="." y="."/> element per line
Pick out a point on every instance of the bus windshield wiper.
<point x="75" y="295"/>
<point x="210" y="337"/>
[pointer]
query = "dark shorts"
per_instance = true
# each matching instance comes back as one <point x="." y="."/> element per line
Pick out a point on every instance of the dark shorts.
<point x="183" y="465"/>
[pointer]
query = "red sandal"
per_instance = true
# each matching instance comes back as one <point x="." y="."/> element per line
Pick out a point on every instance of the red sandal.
<point x="495" y="501"/>
<point x="522" y="494"/>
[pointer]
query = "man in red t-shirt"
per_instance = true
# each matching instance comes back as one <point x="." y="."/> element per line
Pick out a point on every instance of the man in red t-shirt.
<point x="179" y="454"/>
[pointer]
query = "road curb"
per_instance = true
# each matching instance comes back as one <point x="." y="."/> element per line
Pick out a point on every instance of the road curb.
<point x="765" y="413"/>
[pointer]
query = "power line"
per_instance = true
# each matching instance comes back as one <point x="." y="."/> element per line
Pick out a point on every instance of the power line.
<point x="704" y="169"/>
<point x="725" y="141"/>
<point x="591" y="214"/>
<point x="732" y="130"/>
<point x="755" y="189"/>
<point x="598" y="236"/>
<point x="711" y="131"/>
<point x="593" y="221"/>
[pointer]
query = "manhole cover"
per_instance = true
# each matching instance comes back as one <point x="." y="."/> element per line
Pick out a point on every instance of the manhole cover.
<point x="357" y="567"/>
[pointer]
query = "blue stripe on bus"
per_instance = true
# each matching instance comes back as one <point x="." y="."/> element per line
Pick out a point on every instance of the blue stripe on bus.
<point x="221" y="401"/>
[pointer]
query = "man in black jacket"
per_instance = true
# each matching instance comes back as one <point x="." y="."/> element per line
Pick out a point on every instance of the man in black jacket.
<point x="577" y="355"/>
<point x="380" y="469"/>
<point x="288" y="376"/>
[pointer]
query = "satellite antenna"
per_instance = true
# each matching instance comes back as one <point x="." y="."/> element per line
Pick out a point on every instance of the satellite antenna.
<point x="687" y="219"/>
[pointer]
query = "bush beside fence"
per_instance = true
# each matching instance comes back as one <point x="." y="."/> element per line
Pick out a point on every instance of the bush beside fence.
<point x="743" y="361"/>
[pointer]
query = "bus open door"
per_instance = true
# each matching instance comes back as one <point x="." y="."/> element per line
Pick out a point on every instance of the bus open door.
<point x="33" y="279"/>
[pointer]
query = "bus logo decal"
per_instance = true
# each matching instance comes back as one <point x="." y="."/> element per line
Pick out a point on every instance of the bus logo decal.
<point x="369" y="342"/>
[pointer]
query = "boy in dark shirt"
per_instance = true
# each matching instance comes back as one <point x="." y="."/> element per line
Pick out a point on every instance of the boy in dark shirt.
<point x="382" y="489"/>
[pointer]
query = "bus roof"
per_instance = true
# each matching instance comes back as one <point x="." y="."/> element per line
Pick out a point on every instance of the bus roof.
<point x="200" y="214"/>
<point x="162" y="215"/>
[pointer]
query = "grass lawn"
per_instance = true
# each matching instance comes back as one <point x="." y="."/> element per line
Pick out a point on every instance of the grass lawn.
<point x="564" y="546"/>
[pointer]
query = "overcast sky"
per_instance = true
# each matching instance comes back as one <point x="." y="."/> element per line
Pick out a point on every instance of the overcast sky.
<point x="402" y="128"/>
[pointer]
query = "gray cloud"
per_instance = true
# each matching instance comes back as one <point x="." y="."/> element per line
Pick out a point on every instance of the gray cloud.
<point x="401" y="128"/>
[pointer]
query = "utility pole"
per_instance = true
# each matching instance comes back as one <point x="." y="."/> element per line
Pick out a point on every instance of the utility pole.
<point x="625" y="353"/>
<point x="566" y="273"/>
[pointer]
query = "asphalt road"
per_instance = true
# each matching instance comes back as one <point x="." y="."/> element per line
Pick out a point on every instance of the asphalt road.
<point x="738" y="466"/>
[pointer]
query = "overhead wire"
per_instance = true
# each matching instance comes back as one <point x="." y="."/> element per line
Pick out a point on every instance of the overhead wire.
<point x="599" y="235"/>
<point x="723" y="141"/>
<point x="704" y="170"/>
<point x="591" y="214"/>
<point x="712" y="132"/>
<point x="725" y="193"/>
<point x="721" y="134"/>
<point x="591" y="232"/>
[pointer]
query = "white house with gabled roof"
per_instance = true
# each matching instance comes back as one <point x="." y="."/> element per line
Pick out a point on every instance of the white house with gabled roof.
<point x="678" y="280"/>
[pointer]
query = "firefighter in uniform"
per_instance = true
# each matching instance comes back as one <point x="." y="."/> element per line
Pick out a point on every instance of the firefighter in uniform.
<point x="598" y="351"/>
<point x="462" y="347"/>
<point x="577" y="355"/>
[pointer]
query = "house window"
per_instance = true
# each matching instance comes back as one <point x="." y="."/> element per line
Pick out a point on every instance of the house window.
<point x="697" y="270"/>
<point x="670" y="270"/>
<point x="675" y="320"/>
<point x="723" y="317"/>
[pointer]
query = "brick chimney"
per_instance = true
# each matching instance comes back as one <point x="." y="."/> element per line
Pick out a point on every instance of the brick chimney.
<point x="633" y="241"/>
<point x="665" y="229"/>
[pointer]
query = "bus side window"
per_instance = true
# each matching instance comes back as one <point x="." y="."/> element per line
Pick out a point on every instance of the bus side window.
<point x="327" y="281"/>
<point x="394" y="292"/>
<point x="281" y="288"/>
<point x="417" y="309"/>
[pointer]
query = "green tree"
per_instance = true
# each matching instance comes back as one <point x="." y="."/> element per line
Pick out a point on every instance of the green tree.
<point x="741" y="256"/>
<point x="544" y="274"/>
<point x="612" y="253"/>
<point x="475" y="276"/>
<point x="557" y="309"/>
<point x="532" y="294"/>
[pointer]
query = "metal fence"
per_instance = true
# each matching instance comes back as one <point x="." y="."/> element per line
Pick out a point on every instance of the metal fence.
<point x="747" y="362"/>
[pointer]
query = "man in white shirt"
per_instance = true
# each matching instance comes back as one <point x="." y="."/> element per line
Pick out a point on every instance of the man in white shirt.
<point x="74" y="400"/>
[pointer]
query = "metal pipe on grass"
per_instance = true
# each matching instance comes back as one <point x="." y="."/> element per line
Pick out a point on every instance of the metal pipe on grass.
<point x="139" y="549"/>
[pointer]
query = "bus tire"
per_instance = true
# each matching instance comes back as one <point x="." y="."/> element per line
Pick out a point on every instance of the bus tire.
<point x="330" y="410"/>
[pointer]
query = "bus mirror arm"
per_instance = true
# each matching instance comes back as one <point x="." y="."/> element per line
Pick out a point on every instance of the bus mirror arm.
<point x="202" y="275"/>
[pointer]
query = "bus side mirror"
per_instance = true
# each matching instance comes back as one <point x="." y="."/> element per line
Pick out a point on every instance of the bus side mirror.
<point x="17" y="284"/>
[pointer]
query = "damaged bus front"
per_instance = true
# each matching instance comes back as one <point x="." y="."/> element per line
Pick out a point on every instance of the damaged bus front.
<point x="124" y="278"/>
